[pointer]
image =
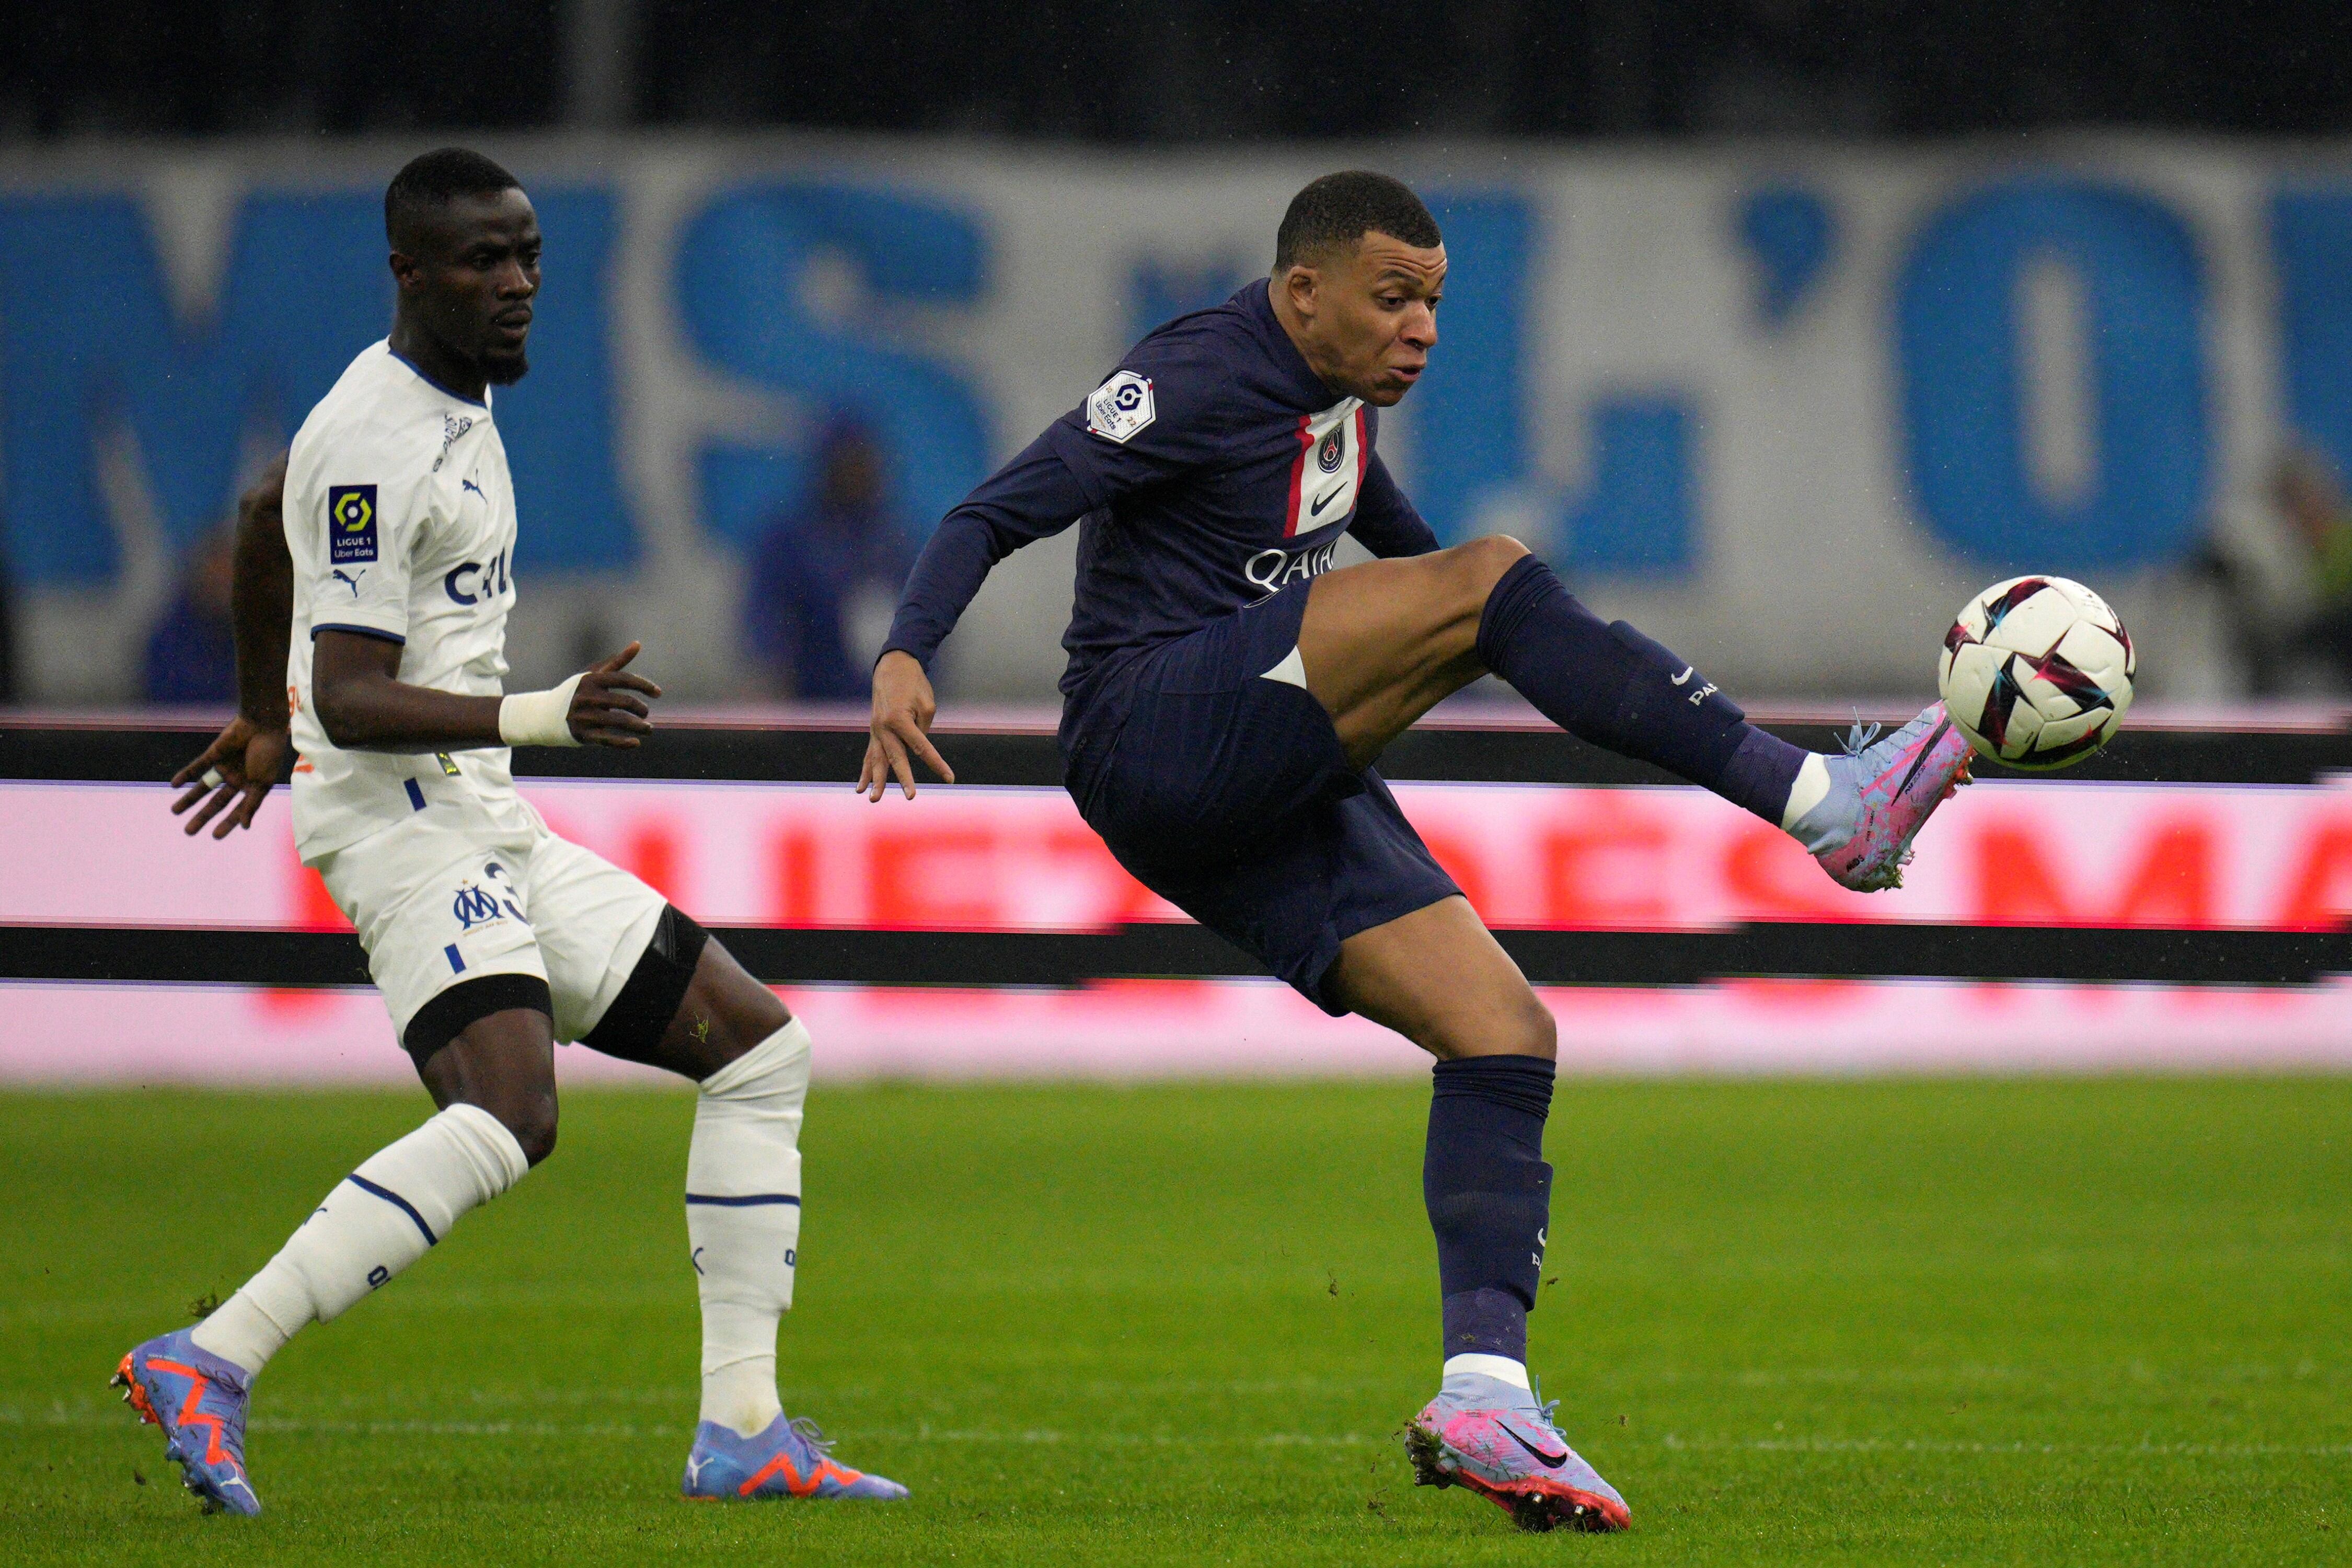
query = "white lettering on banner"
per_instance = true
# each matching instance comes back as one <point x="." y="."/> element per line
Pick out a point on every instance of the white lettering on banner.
<point x="1663" y="859"/>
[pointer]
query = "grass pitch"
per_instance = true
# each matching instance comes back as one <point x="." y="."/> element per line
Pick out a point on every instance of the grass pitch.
<point x="1880" y="1322"/>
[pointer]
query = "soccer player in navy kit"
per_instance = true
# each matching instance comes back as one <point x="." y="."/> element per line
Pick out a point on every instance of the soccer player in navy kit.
<point x="1227" y="692"/>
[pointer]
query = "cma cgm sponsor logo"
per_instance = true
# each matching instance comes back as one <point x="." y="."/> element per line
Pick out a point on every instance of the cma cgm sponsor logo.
<point x="351" y="523"/>
<point x="1274" y="570"/>
<point x="471" y="582"/>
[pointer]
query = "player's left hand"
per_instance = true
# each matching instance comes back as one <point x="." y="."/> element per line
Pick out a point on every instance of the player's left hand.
<point x="241" y="767"/>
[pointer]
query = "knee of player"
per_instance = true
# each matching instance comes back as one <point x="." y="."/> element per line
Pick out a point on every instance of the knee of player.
<point x="1538" y="1030"/>
<point x="532" y="1122"/>
<point x="1522" y="1026"/>
<point x="1481" y="563"/>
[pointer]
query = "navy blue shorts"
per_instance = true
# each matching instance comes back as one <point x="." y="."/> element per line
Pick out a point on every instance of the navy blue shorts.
<point x="1230" y="795"/>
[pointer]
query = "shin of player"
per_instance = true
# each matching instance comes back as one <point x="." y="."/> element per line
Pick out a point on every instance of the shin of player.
<point x="380" y="1219"/>
<point x="1489" y="1196"/>
<point x="743" y="1222"/>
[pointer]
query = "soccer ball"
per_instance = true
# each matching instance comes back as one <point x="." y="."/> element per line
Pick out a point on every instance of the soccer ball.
<point x="2037" y="672"/>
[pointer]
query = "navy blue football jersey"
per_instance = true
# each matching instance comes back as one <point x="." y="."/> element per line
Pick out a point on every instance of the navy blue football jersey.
<point x="1211" y="469"/>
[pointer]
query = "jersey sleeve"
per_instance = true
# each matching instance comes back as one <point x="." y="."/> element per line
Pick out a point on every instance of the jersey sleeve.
<point x="1159" y="415"/>
<point x="1033" y="495"/>
<point x="369" y="528"/>
<point x="1385" y="521"/>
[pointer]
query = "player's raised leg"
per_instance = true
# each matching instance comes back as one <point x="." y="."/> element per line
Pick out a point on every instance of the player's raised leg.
<point x="689" y="1008"/>
<point x="1438" y="977"/>
<point x="494" y="1081"/>
<point x="1384" y="641"/>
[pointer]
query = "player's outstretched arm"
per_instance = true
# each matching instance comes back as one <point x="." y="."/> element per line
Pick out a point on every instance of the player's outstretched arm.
<point x="903" y="711"/>
<point x="246" y="761"/>
<point x="363" y="705"/>
<point x="1029" y="499"/>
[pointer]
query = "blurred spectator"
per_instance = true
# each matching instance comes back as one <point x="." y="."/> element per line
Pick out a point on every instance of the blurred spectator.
<point x="2310" y="498"/>
<point x="192" y="652"/>
<point x="2283" y="574"/>
<point x="819" y="568"/>
<point x="8" y="692"/>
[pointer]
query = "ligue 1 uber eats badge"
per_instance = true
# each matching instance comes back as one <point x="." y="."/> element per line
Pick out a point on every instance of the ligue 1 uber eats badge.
<point x="351" y="523"/>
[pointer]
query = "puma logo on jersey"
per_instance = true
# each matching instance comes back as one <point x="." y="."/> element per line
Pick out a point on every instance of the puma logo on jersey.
<point x="351" y="580"/>
<point x="470" y="485"/>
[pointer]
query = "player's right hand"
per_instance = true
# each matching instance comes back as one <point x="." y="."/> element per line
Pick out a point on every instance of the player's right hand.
<point x="607" y="708"/>
<point x="244" y="762"/>
<point x="903" y="711"/>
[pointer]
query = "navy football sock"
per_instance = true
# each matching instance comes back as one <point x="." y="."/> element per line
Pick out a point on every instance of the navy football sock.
<point x="1489" y="1197"/>
<point x="1612" y="685"/>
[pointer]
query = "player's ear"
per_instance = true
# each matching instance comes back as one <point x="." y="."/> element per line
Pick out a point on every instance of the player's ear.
<point x="1302" y="283"/>
<point x="405" y="270"/>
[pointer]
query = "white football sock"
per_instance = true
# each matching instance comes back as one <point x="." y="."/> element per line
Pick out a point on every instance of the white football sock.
<point x="1810" y="788"/>
<point x="1502" y="1368"/>
<point x="744" y="1221"/>
<point x="376" y="1223"/>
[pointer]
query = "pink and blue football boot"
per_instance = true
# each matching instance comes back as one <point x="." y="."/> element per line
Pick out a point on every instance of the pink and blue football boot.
<point x="790" y="1459"/>
<point x="1494" y="1438"/>
<point x="1881" y="795"/>
<point x="199" y="1401"/>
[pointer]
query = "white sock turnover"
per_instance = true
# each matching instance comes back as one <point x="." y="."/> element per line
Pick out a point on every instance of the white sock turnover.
<point x="1500" y="1367"/>
<point x="376" y="1223"/>
<point x="1810" y="788"/>
<point x="743" y="1222"/>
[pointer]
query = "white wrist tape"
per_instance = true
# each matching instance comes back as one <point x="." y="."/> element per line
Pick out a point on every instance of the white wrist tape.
<point x="538" y="718"/>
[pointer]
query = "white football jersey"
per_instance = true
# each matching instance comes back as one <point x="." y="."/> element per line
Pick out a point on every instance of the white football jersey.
<point x="400" y="515"/>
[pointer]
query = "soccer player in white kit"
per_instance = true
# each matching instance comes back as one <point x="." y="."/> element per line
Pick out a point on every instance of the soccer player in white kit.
<point x="384" y="600"/>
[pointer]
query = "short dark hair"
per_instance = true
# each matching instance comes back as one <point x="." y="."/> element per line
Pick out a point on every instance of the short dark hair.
<point x="436" y="179"/>
<point x="1340" y="209"/>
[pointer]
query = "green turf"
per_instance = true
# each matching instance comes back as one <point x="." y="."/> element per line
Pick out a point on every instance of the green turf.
<point x="1883" y="1323"/>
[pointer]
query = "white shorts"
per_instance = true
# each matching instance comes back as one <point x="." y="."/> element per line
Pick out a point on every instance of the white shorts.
<point x="439" y="903"/>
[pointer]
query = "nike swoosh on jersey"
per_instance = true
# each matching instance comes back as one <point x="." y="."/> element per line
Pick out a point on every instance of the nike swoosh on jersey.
<point x="1549" y="1461"/>
<point x="1324" y="499"/>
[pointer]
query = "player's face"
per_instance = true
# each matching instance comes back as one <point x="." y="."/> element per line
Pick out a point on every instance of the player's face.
<point x="1377" y="314"/>
<point x="472" y="278"/>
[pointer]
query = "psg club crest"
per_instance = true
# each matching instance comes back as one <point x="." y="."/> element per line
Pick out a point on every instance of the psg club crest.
<point x="1120" y="407"/>
<point x="1328" y="467"/>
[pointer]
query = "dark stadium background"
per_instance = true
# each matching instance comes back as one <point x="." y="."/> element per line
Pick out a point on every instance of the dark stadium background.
<point x="1184" y="71"/>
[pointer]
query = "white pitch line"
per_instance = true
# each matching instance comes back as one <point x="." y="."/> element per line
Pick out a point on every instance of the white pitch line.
<point x="1048" y="1436"/>
<point x="1943" y="1446"/>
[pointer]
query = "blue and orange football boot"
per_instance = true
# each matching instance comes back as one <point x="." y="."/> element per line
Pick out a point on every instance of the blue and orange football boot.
<point x="1494" y="1438"/>
<point x="199" y="1401"/>
<point x="1881" y="795"/>
<point x="790" y="1459"/>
